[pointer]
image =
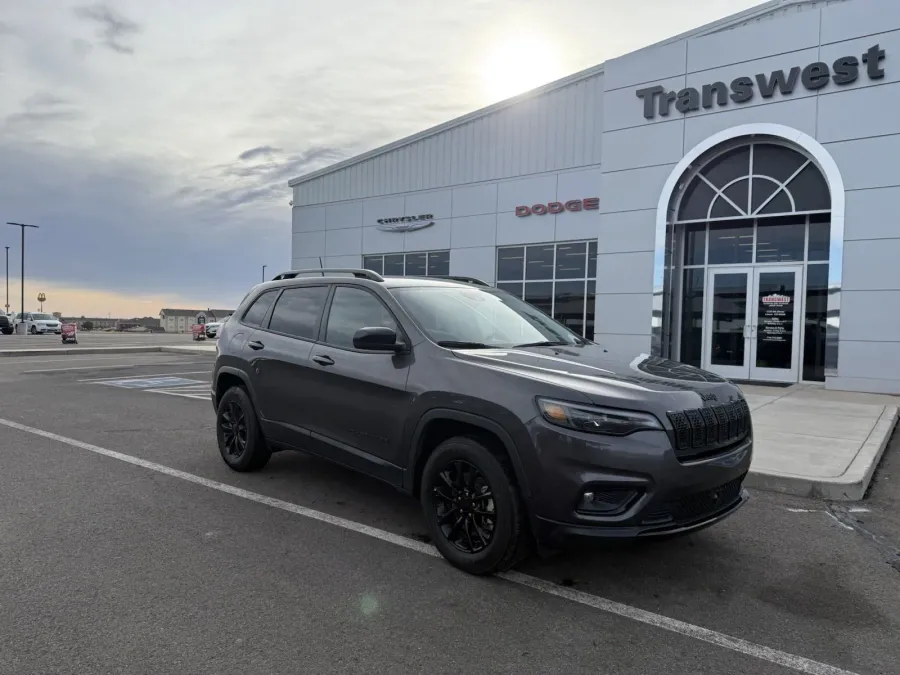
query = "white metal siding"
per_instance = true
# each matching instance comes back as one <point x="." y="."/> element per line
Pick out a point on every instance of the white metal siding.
<point x="561" y="129"/>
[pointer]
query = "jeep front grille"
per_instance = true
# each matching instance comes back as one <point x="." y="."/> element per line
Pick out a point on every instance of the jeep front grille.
<point x="702" y="431"/>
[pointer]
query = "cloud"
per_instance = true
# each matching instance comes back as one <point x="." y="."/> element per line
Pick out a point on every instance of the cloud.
<point x="43" y="107"/>
<point x="261" y="151"/>
<point x="112" y="26"/>
<point x="267" y="181"/>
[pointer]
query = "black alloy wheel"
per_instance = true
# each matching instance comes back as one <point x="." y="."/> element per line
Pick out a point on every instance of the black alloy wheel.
<point x="241" y="442"/>
<point x="472" y="507"/>
<point x="234" y="429"/>
<point x="464" y="506"/>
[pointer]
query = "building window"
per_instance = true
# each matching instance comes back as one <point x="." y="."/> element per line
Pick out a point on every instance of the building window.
<point x="419" y="264"/>
<point x="559" y="279"/>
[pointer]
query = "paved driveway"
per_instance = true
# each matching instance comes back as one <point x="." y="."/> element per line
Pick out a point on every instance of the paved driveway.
<point x="127" y="546"/>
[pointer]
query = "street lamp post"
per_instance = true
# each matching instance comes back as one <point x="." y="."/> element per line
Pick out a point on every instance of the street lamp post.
<point x="264" y="273"/>
<point x="7" y="279"/>
<point x="22" y="288"/>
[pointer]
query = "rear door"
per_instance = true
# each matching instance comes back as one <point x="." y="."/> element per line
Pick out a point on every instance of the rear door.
<point x="357" y="399"/>
<point x="281" y="350"/>
<point x="251" y="323"/>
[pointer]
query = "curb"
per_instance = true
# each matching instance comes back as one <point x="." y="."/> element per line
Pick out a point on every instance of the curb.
<point x="56" y="351"/>
<point x="51" y="351"/>
<point x="851" y="485"/>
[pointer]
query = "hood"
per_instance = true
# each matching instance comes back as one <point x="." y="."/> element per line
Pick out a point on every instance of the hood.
<point x="607" y="379"/>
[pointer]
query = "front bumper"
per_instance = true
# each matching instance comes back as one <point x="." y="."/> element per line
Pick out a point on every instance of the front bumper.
<point x="666" y="496"/>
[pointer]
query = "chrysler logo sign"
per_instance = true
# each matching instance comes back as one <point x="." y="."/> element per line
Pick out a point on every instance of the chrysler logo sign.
<point x="405" y="223"/>
<point x="741" y="89"/>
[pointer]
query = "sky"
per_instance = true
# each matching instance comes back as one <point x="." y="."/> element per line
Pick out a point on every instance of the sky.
<point x="152" y="142"/>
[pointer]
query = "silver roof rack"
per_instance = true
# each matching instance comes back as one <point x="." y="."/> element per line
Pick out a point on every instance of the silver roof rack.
<point x="464" y="280"/>
<point x="358" y="273"/>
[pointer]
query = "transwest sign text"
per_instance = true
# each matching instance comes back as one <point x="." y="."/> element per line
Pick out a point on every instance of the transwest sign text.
<point x="814" y="76"/>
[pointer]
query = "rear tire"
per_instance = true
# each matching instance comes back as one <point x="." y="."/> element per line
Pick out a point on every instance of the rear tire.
<point x="240" y="438"/>
<point x="476" y="533"/>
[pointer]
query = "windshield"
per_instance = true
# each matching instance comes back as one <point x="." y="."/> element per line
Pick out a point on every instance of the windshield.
<point x="43" y="317"/>
<point x="467" y="317"/>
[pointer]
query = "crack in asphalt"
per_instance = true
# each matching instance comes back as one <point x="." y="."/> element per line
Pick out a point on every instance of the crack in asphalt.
<point x="888" y="550"/>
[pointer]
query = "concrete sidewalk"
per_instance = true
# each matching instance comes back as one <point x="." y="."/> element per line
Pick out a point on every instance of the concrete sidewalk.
<point x="817" y="443"/>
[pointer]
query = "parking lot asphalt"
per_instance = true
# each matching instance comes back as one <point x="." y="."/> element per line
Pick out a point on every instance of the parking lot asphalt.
<point x="176" y="564"/>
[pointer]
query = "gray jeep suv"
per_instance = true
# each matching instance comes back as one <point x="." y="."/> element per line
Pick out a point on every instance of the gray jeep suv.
<point x="508" y="427"/>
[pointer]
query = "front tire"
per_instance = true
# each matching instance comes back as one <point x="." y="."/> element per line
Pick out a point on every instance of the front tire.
<point x="240" y="438"/>
<point x="34" y="330"/>
<point x="472" y="507"/>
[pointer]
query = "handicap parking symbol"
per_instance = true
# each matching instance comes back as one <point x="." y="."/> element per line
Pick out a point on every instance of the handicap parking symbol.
<point x="151" y="382"/>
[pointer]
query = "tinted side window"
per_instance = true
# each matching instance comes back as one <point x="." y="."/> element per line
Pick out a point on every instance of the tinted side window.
<point x="298" y="310"/>
<point x="257" y="311"/>
<point x="352" y="309"/>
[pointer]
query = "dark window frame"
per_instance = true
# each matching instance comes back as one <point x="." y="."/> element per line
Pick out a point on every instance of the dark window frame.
<point x="587" y="279"/>
<point x="427" y="254"/>
<point x="402" y="335"/>
<point x="782" y="188"/>
<point x="265" y="318"/>
<point x="264" y="326"/>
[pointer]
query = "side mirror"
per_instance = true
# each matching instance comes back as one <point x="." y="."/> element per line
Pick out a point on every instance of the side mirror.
<point x="377" y="339"/>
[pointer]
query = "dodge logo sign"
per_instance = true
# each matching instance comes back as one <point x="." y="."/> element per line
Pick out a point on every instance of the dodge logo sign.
<point x="589" y="204"/>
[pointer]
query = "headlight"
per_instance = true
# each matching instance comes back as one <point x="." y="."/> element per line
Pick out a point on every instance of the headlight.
<point x="608" y="421"/>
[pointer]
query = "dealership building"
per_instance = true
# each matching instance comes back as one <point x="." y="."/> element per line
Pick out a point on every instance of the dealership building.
<point x="729" y="198"/>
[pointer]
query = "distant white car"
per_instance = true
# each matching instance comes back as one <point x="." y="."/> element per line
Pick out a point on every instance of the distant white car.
<point x="38" y="322"/>
<point x="212" y="329"/>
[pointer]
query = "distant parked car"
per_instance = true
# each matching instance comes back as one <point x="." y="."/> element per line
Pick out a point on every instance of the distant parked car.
<point x="6" y="324"/>
<point x="38" y="322"/>
<point x="212" y="329"/>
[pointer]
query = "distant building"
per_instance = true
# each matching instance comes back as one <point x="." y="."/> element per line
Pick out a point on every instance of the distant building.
<point x="147" y="322"/>
<point x="96" y="323"/>
<point x="181" y="320"/>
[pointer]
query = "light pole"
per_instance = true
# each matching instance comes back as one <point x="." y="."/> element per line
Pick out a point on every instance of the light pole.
<point x="264" y="273"/>
<point x="7" y="279"/>
<point x="22" y="287"/>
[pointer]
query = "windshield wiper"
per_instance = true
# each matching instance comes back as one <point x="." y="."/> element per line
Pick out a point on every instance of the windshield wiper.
<point x="462" y="344"/>
<point x="543" y="343"/>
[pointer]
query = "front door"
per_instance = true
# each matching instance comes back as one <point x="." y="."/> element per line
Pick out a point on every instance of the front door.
<point x="751" y="327"/>
<point x="726" y="323"/>
<point x="775" y="326"/>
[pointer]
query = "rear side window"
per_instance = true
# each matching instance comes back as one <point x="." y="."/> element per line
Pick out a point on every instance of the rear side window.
<point x="257" y="311"/>
<point x="298" y="311"/>
<point x="352" y="309"/>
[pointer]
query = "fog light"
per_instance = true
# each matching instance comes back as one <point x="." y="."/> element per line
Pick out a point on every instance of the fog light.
<point x="606" y="502"/>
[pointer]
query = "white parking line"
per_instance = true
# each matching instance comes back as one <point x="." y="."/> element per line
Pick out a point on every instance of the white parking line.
<point x="138" y="377"/>
<point x="81" y="358"/>
<point x="201" y="394"/>
<point x="112" y="366"/>
<point x="792" y="661"/>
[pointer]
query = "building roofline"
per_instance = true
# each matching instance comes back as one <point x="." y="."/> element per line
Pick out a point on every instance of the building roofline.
<point x="733" y="19"/>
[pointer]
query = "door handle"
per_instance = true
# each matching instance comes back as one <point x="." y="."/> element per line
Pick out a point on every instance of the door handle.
<point x="255" y="344"/>
<point x="323" y="360"/>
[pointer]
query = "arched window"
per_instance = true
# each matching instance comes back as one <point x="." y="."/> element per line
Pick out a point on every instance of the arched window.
<point x="754" y="180"/>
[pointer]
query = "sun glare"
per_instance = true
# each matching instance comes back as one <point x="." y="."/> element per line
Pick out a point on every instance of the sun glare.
<point x="515" y="67"/>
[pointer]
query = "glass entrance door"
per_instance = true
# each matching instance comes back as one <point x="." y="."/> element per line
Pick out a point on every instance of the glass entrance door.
<point x="751" y="326"/>
<point x="775" y="327"/>
<point x="726" y="325"/>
